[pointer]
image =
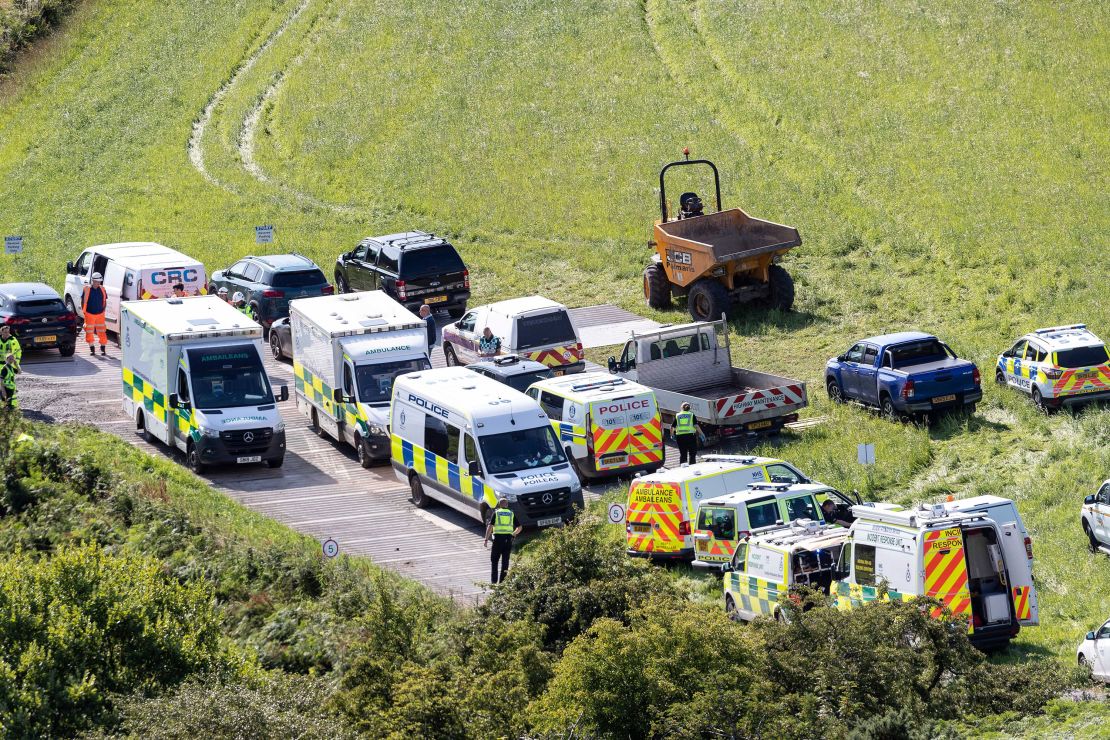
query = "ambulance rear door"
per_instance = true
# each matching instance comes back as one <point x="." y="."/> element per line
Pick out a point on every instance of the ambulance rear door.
<point x="656" y="523"/>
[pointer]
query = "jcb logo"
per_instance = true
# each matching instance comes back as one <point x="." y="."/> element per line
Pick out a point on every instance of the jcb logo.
<point x="186" y="275"/>
<point x="679" y="258"/>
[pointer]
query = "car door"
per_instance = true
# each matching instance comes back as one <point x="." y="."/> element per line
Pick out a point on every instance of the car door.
<point x="1101" y="523"/>
<point x="1014" y="357"/>
<point x="867" y="377"/>
<point x="252" y="275"/>
<point x="359" y="268"/>
<point x="1101" y="665"/>
<point x="386" y="270"/>
<point x="849" y="371"/>
<point x="467" y="337"/>
<point x="232" y="279"/>
<point x="1031" y="362"/>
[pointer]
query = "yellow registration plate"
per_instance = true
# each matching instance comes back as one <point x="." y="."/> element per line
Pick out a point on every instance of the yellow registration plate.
<point x="641" y="527"/>
<point x="436" y="299"/>
<point x="1087" y="375"/>
<point x="760" y="424"/>
<point x="47" y="338"/>
<point x="945" y="399"/>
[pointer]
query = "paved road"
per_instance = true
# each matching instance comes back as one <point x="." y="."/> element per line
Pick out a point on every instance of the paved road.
<point x="321" y="490"/>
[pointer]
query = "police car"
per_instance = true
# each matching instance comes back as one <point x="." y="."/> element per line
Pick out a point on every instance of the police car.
<point x="1057" y="366"/>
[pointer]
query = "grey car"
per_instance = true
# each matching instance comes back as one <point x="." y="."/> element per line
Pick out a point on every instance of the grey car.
<point x="270" y="282"/>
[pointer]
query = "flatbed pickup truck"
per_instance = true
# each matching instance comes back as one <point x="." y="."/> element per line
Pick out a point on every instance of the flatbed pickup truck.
<point x="691" y="363"/>
<point x="904" y="374"/>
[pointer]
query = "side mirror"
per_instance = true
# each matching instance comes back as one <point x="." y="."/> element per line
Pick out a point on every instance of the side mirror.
<point x="612" y="364"/>
<point x="283" y="394"/>
<point x="337" y="395"/>
<point x="474" y="469"/>
<point x="842" y="358"/>
<point x="458" y="324"/>
<point x="173" y="401"/>
<point x="1089" y="499"/>
<point x="70" y="269"/>
<point x="1008" y="353"/>
<point x="1090" y="635"/>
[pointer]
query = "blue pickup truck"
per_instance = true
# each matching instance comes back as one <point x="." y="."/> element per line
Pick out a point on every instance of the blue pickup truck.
<point x="904" y="374"/>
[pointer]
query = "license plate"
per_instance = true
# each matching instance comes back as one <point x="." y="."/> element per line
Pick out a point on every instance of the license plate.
<point x="1087" y="375"/>
<point x="47" y="338"/>
<point x="249" y="459"/>
<point x="436" y="299"/>
<point x="614" y="459"/>
<point x="945" y="399"/>
<point x="641" y="527"/>
<point x="558" y="373"/>
<point x="550" y="521"/>
<point x="760" y="424"/>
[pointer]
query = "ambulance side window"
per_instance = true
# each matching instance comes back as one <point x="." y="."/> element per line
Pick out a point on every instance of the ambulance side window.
<point x="552" y="405"/>
<point x="780" y="473"/>
<point x="863" y="560"/>
<point x="182" y="386"/>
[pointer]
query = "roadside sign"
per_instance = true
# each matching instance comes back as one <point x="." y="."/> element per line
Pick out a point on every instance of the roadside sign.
<point x="13" y="245"/>
<point x="866" y="454"/>
<point x="616" y="513"/>
<point x="331" y="548"/>
<point x="264" y="234"/>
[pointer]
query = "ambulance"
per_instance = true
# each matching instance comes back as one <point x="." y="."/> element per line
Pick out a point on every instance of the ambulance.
<point x="193" y="379"/>
<point x="659" y="518"/>
<point x="1058" y="366"/>
<point x="607" y="425"/>
<point x="965" y="560"/>
<point x="724" y="521"/>
<point x="772" y="561"/>
<point x="466" y="440"/>
<point x="348" y="349"/>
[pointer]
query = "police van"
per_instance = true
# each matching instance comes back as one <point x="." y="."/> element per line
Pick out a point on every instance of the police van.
<point x="961" y="559"/>
<point x="132" y="271"/>
<point x="466" y="440"/>
<point x="607" y="425"/>
<point x="724" y="521"/>
<point x="193" y="379"/>
<point x="348" y="350"/>
<point x="770" y="562"/>
<point x="661" y="507"/>
<point x="1058" y="366"/>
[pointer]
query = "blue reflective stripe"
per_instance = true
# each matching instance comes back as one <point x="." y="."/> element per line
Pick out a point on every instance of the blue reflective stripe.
<point x="453" y="476"/>
<point x="406" y="451"/>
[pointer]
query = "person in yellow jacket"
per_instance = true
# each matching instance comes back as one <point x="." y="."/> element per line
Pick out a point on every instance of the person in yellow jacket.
<point x="9" y="345"/>
<point x="8" y="370"/>
<point x="93" y="304"/>
<point x="502" y="528"/>
<point x="686" y="435"/>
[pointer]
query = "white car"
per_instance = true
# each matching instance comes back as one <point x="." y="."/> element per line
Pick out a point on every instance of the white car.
<point x="1094" y="652"/>
<point x="1096" y="518"/>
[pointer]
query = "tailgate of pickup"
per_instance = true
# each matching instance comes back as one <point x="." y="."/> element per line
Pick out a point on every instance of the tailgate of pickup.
<point x="941" y="379"/>
<point x="758" y="396"/>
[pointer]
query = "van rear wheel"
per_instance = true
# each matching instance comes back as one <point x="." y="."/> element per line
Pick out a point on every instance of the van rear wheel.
<point x="144" y="431"/>
<point x="316" y="428"/>
<point x="730" y="608"/>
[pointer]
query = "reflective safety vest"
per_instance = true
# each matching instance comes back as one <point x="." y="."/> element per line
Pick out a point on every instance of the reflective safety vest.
<point x="7" y="376"/>
<point x="10" y="346"/>
<point x="503" y="521"/>
<point x="245" y="309"/>
<point x="684" y="422"/>
<point x="95" y="300"/>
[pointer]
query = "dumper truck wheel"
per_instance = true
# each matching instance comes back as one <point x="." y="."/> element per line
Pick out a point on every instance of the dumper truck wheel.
<point x="657" y="289"/>
<point x="707" y="300"/>
<point x="780" y="288"/>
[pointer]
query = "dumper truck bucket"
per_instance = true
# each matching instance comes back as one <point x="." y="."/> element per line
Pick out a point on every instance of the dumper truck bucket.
<point x="727" y="235"/>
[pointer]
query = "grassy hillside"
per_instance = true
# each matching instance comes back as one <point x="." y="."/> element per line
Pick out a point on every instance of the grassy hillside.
<point x="944" y="163"/>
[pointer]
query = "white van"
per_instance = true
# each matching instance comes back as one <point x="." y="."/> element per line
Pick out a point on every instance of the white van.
<point x="607" y="425"/>
<point x="534" y="328"/>
<point x="467" y="440"/>
<point x="347" y="351"/>
<point x="193" y="378"/>
<point x="132" y="271"/>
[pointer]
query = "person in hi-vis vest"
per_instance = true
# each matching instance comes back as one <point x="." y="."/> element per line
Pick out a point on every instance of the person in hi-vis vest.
<point x="503" y="529"/>
<point x="93" y="304"/>
<point x="686" y="435"/>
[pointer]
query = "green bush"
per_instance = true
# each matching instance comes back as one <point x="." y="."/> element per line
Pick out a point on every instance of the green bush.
<point x="83" y="624"/>
<point x="26" y="20"/>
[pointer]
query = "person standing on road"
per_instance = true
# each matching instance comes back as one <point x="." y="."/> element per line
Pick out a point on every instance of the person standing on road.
<point x="489" y="345"/>
<point x="8" y="370"/>
<point x="501" y="529"/>
<point x="240" y="302"/>
<point x="222" y="293"/>
<point x="686" y="435"/>
<point x="93" y="303"/>
<point x="430" y="322"/>
<point x="9" y="345"/>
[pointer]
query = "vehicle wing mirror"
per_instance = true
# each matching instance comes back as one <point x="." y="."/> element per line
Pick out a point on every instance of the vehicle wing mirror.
<point x="1089" y="499"/>
<point x="842" y="358"/>
<point x="612" y="364"/>
<point x="70" y="269"/>
<point x="283" y="394"/>
<point x="173" y="401"/>
<point x="1090" y="635"/>
<point x="339" y="396"/>
<point x="474" y="469"/>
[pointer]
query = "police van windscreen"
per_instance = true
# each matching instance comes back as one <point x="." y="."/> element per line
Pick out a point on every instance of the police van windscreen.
<point x="298" y="279"/>
<point x="521" y="449"/>
<point x="546" y="328"/>
<point x="225" y="377"/>
<point x="430" y="261"/>
<point x="40" y="307"/>
<point x="918" y="353"/>
<point x="1082" y="357"/>
<point x="375" y="382"/>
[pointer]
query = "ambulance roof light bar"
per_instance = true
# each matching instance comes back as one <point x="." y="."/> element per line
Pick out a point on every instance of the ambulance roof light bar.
<point x="742" y="459"/>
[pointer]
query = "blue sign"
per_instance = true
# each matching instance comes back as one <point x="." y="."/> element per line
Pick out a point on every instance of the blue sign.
<point x="264" y="234"/>
<point x="13" y="245"/>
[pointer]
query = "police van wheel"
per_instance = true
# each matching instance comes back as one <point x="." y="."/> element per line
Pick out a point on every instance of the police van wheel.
<point x="419" y="499"/>
<point x="192" y="459"/>
<point x="363" y="451"/>
<point x="144" y="432"/>
<point x="449" y="356"/>
<point x="316" y="428"/>
<point x="730" y="608"/>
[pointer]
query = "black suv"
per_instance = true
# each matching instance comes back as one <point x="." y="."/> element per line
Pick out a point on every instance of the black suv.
<point x="269" y="283"/>
<point x="37" y="317"/>
<point x="414" y="268"/>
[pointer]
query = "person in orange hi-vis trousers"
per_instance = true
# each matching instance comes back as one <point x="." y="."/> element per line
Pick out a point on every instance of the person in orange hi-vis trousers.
<point x="93" y="304"/>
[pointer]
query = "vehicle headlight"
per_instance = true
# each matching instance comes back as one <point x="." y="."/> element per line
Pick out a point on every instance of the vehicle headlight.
<point x="210" y="433"/>
<point x="279" y="427"/>
<point x="377" y="431"/>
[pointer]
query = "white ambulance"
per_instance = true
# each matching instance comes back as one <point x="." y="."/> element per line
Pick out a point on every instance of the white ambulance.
<point x="132" y="271"/>
<point x="964" y="560"/>
<point x="193" y="378"/>
<point x="466" y="440"/>
<point x="607" y="425"/>
<point x="347" y="351"/>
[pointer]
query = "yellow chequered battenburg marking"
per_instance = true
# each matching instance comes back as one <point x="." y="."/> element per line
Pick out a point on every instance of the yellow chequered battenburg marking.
<point x="313" y="388"/>
<point x="139" y="390"/>
<point x="753" y="594"/>
<point x="946" y="571"/>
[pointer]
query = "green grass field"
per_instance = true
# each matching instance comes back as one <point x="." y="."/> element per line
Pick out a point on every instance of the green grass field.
<point x="942" y="161"/>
